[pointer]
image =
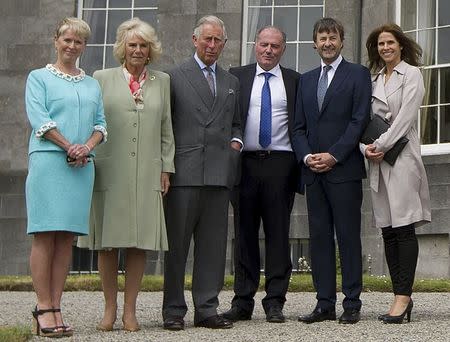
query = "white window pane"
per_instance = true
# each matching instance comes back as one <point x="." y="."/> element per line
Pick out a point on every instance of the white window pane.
<point x="92" y="59"/>
<point x="250" y="54"/>
<point x="149" y="16"/>
<point x="145" y="3"/>
<point x="445" y="85"/>
<point x="428" y="125"/>
<point x="115" y="18"/>
<point x="409" y="15"/>
<point x="289" y="57"/>
<point x="119" y="3"/>
<point x="445" y="124"/>
<point x="257" y="18"/>
<point x="427" y="13"/>
<point x="286" y="2"/>
<point x="308" y="17"/>
<point x="427" y="40"/>
<point x="444" y="45"/>
<point x="96" y="21"/>
<point x="444" y="12"/>
<point x="94" y="3"/>
<point x="311" y="2"/>
<point x="110" y="61"/>
<point x="307" y="57"/>
<point x="286" y="19"/>
<point x="430" y="80"/>
<point x="259" y="2"/>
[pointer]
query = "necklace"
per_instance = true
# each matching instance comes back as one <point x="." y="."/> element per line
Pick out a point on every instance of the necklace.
<point x="71" y="78"/>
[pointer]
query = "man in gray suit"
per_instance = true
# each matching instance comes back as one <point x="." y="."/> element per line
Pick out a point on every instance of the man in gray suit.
<point x="205" y="120"/>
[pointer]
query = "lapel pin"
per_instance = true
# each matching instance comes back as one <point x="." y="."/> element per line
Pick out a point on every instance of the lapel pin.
<point x="152" y="78"/>
<point x="230" y="91"/>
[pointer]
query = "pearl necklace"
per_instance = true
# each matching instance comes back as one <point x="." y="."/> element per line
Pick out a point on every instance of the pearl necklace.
<point x="64" y="76"/>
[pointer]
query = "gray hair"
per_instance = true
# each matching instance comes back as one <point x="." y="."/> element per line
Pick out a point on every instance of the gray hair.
<point x="209" y="19"/>
<point x="79" y="26"/>
<point x="139" y="28"/>
<point x="271" y="27"/>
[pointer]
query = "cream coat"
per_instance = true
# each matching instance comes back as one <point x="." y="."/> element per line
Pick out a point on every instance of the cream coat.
<point x="127" y="208"/>
<point x="400" y="194"/>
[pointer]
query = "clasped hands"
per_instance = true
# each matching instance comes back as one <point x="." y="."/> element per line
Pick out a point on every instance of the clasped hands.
<point x="78" y="153"/>
<point x="372" y="155"/>
<point x="320" y="162"/>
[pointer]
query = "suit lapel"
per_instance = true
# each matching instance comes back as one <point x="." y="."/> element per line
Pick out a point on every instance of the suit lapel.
<point x="124" y="85"/>
<point x="339" y="76"/>
<point x="197" y="79"/>
<point x="222" y="92"/>
<point x="378" y="90"/>
<point x="289" y="86"/>
<point x="246" y="86"/>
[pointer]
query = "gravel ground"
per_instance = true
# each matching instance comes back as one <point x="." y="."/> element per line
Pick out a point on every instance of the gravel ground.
<point x="430" y="319"/>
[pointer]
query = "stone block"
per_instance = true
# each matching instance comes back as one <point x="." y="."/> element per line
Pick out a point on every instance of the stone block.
<point x="12" y="184"/>
<point x="56" y="10"/>
<point x="19" y="56"/>
<point x="38" y="30"/>
<point x="12" y="206"/>
<point x="12" y="26"/>
<point x="205" y="7"/>
<point x="14" y="246"/>
<point x="433" y="261"/>
<point x="229" y="6"/>
<point x="18" y="8"/>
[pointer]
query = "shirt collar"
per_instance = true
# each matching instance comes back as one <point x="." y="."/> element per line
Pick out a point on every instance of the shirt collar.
<point x="335" y="64"/>
<point x="203" y="65"/>
<point x="276" y="70"/>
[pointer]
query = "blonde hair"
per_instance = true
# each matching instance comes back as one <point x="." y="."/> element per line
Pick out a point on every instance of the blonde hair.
<point x="136" y="27"/>
<point x="79" y="26"/>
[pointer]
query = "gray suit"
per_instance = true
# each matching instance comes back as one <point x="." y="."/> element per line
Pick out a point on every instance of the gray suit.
<point x="197" y="202"/>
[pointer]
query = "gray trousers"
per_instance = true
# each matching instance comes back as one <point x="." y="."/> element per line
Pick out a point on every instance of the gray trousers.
<point x="201" y="213"/>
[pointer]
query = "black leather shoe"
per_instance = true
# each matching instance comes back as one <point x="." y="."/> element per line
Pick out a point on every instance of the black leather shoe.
<point x="215" y="322"/>
<point x="350" y="316"/>
<point x="237" y="314"/>
<point x="174" y="324"/>
<point x="319" y="315"/>
<point x="275" y="315"/>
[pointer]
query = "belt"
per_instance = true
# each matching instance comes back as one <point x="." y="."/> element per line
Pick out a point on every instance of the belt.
<point x="261" y="154"/>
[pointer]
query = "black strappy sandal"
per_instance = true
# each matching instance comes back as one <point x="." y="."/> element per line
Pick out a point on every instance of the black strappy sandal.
<point x="40" y="331"/>
<point x="66" y="329"/>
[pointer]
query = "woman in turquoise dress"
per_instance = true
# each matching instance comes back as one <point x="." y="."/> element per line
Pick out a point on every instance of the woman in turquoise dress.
<point x="65" y="110"/>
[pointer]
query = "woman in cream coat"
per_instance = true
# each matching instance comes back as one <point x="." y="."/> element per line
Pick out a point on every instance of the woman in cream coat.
<point x="132" y="169"/>
<point x="400" y="195"/>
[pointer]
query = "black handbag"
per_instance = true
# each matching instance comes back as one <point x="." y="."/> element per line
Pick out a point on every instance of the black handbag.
<point x="374" y="129"/>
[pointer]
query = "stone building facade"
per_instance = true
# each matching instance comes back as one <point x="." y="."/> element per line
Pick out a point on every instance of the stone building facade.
<point x="26" y="43"/>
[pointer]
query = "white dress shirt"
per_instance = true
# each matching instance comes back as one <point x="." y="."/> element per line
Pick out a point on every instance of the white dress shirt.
<point x="280" y="136"/>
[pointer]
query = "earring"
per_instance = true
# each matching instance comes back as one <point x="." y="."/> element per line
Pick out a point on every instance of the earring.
<point x="147" y="61"/>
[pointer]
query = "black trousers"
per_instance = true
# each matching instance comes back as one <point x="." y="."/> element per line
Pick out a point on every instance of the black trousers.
<point x="266" y="194"/>
<point x="401" y="249"/>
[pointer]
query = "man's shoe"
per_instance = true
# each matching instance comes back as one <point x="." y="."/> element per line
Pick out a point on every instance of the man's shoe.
<point x="215" y="322"/>
<point x="174" y="324"/>
<point x="350" y="316"/>
<point x="319" y="315"/>
<point x="275" y="315"/>
<point x="237" y="314"/>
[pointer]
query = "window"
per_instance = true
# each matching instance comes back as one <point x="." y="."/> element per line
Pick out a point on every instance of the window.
<point x="428" y="22"/>
<point x="104" y="16"/>
<point x="295" y="17"/>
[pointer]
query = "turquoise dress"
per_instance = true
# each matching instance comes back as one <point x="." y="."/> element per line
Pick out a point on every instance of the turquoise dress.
<point x="58" y="196"/>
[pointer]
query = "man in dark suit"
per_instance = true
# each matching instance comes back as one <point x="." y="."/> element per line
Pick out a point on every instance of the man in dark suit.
<point x="206" y="125"/>
<point x="269" y="178"/>
<point x="333" y="104"/>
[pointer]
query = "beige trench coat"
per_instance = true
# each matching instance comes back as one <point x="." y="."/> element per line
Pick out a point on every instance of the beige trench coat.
<point x="127" y="209"/>
<point x="400" y="194"/>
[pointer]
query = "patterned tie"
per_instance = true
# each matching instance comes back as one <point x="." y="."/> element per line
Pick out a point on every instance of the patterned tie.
<point x="322" y="86"/>
<point x="265" y="121"/>
<point x="210" y="79"/>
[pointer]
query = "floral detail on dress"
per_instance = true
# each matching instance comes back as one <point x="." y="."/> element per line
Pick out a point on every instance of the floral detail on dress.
<point x="44" y="129"/>
<point x="103" y="131"/>
<point x="65" y="76"/>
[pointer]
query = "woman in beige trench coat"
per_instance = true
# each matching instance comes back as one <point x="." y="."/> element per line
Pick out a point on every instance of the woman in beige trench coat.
<point x="400" y="196"/>
<point x="132" y="169"/>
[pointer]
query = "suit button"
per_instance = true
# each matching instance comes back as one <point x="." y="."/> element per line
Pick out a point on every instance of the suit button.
<point x="134" y="139"/>
<point x="133" y="154"/>
<point x="135" y="124"/>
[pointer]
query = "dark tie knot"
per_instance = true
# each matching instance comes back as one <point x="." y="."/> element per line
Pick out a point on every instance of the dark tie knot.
<point x="267" y="75"/>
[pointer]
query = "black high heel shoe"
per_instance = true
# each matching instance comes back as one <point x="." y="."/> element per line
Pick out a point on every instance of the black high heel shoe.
<point x="382" y="316"/>
<point x="40" y="331"/>
<point x="388" y="319"/>
<point x="66" y="329"/>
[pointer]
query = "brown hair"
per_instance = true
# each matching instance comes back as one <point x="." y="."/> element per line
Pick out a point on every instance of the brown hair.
<point x="411" y="51"/>
<point x="328" y="25"/>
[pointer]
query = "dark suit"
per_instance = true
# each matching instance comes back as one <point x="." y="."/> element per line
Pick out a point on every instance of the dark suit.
<point x="334" y="198"/>
<point x="197" y="202"/>
<point x="266" y="191"/>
